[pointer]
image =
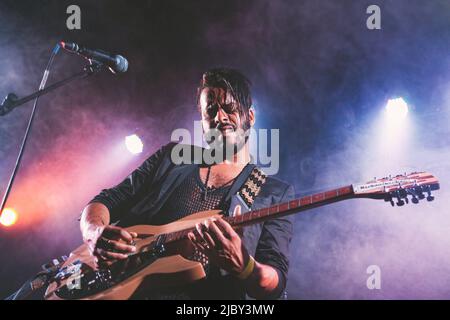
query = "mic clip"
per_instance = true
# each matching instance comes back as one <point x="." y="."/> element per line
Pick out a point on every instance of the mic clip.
<point x="8" y="103"/>
<point x="94" y="66"/>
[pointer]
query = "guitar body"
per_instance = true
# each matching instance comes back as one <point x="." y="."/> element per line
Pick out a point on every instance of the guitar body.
<point x="169" y="270"/>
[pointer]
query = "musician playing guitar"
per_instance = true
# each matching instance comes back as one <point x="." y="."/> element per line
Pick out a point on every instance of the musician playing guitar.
<point x="252" y="261"/>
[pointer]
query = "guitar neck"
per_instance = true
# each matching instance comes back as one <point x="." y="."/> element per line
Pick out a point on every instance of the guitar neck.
<point x="290" y="207"/>
<point x="278" y="210"/>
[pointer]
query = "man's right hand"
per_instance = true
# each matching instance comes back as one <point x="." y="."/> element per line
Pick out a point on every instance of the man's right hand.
<point x="109" y="243"/>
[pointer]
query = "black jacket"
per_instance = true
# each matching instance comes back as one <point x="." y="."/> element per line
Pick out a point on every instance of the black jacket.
<point x="142" y="194"/>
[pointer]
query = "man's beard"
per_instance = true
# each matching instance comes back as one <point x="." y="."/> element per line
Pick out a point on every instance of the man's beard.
<point x="226" y="145"/>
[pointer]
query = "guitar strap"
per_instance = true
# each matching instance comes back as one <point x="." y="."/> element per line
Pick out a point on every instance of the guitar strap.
<point x="251" y="187"/>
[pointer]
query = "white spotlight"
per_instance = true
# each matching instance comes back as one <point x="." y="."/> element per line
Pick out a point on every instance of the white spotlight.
<point x="396" y="109"/>
<point x="134" y="144"/>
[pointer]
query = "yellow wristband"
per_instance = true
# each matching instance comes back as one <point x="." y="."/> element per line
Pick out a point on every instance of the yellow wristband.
<point x="248" y="269"/>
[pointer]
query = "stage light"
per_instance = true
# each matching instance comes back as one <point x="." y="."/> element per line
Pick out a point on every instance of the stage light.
<point x="396" y="109"/>
<point x="391" y="137"/>
<point x="134" y="144"/>
<point x="8" y="217"/>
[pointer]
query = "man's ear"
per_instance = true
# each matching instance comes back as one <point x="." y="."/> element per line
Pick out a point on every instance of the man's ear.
<point x="251" y="116"/>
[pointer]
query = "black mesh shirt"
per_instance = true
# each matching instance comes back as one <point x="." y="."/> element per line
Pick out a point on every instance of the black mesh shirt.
<point x="188" y="198"/>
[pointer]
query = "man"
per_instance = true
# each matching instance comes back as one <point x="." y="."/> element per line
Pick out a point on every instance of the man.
<point x="253" y="263"/>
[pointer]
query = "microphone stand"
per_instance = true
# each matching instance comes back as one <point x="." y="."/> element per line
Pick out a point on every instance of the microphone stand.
<point x="12" y="102"/>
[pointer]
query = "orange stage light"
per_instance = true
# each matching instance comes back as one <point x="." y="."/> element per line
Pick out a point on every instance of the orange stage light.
<point x="8" y="217"/>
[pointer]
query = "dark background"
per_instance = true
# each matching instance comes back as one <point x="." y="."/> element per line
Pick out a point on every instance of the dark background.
<point x="319" y="75"/>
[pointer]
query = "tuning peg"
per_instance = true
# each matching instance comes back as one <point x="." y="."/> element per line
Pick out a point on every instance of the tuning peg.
<point x="413" y="193"/>
<point x="420" y="194"/>
<point x="388" y="198"/>
<point x="402" y="193"/>
<point x="428" y="190"/>
<point x="400" y="202"/>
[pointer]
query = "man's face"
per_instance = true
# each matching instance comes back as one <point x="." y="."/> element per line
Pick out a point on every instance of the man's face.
<point x="221" y="117"/>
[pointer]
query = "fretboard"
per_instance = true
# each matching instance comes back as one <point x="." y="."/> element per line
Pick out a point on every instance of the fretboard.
<point x="276" y="211"/>
<point x="290" y="207"/>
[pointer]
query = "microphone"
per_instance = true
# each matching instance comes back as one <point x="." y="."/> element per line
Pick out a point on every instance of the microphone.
<point x="116" y="63"/>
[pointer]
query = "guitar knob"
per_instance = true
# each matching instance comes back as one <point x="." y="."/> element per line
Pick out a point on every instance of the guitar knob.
<point x="415" y="200"/>
<point x="400" y="202"/>
<point x="430" y="198"/>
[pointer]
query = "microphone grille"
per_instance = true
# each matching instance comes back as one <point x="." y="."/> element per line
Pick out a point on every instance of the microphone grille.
<point x="121" y="65"/>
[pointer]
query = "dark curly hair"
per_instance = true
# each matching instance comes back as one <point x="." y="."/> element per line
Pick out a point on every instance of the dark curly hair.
<point x="233" y="81"/>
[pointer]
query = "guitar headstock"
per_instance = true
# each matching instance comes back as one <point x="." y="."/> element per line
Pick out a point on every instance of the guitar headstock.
<point x="417" y="185"/>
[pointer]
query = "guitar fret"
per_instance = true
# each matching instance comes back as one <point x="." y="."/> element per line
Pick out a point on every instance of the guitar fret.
<point x="273" y="209"/>
<point x="317" y="197"/>
<point x="264" y="212"/>
<point x="330" y="194"/>
<point x="284" y="206"/>
<point x="344" y="190"/>
<point x="304" y="201"/>
<point x="294" y="204"/>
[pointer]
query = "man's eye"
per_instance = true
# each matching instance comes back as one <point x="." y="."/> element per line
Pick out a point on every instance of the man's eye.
<point x="211" y="110"/>
<point x="229" y="108"/>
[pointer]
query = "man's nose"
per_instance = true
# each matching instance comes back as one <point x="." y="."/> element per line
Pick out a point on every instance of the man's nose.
<point x="221" y="116"/>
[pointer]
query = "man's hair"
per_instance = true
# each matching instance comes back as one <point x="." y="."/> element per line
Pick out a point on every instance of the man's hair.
<point x="233" y="81"/>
